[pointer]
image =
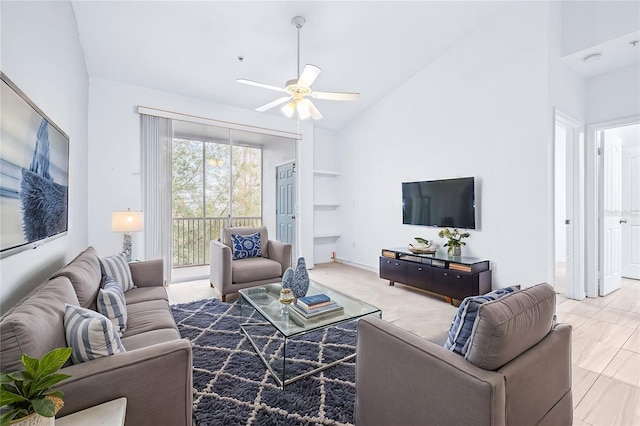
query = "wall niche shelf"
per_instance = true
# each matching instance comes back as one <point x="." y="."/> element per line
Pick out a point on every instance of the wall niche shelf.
<point x="327" y="235"/>
<point x="326" y="206"/>
<point x="327" y="173"/>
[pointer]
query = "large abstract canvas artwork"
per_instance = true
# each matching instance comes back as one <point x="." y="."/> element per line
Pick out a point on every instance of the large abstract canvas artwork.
<point x="34" y="174"/>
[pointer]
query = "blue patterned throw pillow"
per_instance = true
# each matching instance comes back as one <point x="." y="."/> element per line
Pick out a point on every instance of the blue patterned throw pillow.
<point x="90" y="335"/>
<point x="245" y="246"/>
<point x="462" y="326"/>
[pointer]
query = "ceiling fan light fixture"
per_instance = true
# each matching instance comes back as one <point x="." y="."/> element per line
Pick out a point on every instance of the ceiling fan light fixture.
<point x="303" y="109"/>
<point x="289" y="109"/>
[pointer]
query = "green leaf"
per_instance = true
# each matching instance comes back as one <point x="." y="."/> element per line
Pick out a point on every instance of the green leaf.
<point x="18" y="376"/>
<point x="5" y="378"/>
<point x="53" y="361"/>
<point x="30" y="364"/>
<point x="8" y="397"/>
<point x="8" y="416"/>
<point x="46" y="382"/>
<point x="44" y="406"/>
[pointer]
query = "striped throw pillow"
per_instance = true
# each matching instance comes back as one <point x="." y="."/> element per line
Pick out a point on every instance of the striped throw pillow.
<point x="462" y="326"/>
<point x="116" y="266"/>
<point x="111" y="303"/>
<point x="90" y="335"/>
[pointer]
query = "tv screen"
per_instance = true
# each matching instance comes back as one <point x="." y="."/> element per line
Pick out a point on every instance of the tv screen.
<point x="444" y="203"/>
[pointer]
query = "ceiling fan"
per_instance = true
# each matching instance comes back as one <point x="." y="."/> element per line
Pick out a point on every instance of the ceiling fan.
<point x="299" y="89"/>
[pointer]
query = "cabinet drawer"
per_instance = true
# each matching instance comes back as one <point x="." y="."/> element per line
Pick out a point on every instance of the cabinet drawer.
<point x="453" y="283"/>
<point x="393" y="270"/>
<point x="419" y="276"/>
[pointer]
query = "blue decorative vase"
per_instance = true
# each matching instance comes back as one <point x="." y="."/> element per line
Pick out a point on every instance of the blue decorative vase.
<point x="287" y="279"/>
<point x="300" y="284"/>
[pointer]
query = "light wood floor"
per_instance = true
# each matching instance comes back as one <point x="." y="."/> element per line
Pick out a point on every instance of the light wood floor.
<point x="606" y="334"/>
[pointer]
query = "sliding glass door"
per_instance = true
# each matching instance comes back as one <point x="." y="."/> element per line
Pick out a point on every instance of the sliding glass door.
<point x="215" y="184"/>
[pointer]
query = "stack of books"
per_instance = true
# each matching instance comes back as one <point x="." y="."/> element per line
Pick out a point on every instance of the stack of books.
<point x="316" y="305"/>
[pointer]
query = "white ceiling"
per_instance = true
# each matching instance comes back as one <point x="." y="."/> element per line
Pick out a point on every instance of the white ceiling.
<point x="192" y="47"/>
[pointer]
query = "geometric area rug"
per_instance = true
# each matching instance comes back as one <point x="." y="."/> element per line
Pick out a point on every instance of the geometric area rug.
<point x="233" y="387"/>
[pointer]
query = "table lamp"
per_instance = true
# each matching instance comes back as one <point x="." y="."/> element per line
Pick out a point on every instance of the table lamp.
<point x="127" y="222"/>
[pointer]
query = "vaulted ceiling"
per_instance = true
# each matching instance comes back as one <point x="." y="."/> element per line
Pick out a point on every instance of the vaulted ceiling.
<point x="192" y="48"/>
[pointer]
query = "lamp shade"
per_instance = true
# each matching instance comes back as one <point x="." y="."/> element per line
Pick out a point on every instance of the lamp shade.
<point x="127" y="221"/>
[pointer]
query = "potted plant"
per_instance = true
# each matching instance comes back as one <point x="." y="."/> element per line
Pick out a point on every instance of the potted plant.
<point x="454" y="242"/>
<point x="26" y="397"/>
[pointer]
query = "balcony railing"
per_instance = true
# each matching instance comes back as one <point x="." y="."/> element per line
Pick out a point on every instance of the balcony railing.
<point x="191" y="237"/>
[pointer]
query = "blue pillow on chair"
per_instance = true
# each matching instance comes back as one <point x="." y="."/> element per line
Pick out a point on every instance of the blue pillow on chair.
<point x="245" y="246"/>
<point x="462" y="326"/>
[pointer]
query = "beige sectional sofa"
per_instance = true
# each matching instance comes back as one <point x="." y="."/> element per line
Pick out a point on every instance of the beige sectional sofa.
<point x="154" y="373"/>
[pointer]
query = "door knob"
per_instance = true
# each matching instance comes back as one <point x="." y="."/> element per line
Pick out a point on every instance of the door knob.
<point x="623" y="220"/>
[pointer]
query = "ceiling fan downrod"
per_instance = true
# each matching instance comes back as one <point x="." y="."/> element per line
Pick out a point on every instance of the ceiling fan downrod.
<point x="298" y="22"/>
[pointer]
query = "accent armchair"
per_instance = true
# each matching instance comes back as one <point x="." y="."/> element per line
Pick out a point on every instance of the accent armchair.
<point x="228" y="275"/>
<point x="517" y="370"/>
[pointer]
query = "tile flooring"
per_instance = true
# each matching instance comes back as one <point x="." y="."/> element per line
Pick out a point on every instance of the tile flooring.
<point x="606" y="334"/>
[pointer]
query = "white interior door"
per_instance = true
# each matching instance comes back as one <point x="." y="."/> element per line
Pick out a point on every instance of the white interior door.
<point x="611" y="277"/>
<point x="630" y="226"/>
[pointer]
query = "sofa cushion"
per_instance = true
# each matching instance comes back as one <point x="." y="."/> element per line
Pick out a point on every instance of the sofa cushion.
<point x="254" y="269"/>
<point x="225" y="236"/>
<point x="507" y="327"/>
<point x="84" y="273"/>
<point x="90" y="335"/>
<point x="147" y="316"/>
<point x="142" y="340"/>
<point x="246" y="246"/>
<point x="145" y="294"/>
<point x="116" y="266"/>
<point x="111" y="303"/>
<point x="34" y="327"/>
<point x="460" y="330"/>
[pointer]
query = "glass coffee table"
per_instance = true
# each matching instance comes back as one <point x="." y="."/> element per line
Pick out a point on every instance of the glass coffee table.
<point x="276" y="333"/>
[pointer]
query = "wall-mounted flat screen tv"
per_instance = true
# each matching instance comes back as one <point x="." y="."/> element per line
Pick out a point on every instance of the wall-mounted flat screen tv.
<point x="34" y="174"/>
<point x="443" y="203"/>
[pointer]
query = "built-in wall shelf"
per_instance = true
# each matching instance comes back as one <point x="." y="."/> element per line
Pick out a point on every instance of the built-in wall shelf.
<point x="328" y="173"/>
<point x="327" y="235"/>
<point x="326" y="206"/>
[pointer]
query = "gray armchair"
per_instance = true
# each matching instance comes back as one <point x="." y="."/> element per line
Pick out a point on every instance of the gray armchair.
<point x="517" y="370"/>
<point x="228" y="275"/>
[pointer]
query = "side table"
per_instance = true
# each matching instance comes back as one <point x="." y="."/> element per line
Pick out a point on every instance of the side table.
<point x="110" y="413"/>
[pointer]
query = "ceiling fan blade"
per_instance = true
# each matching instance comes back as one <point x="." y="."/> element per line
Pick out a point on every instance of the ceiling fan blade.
<point x="315" y="113"/>
<point x="263" y="85"/>
<point x="308" y="76"/>
<point x="335" y="96"/>
<point x="272" y="104"/>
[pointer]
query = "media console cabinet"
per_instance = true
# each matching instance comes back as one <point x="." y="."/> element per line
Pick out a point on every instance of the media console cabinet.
<point x="454" y="277"/>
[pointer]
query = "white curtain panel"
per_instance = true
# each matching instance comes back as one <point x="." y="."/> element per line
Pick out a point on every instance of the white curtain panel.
<point x="156" y="135"/>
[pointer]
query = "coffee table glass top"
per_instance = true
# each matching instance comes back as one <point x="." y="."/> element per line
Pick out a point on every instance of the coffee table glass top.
<point x="265" y="299"/>
<point x="275" y="330"/>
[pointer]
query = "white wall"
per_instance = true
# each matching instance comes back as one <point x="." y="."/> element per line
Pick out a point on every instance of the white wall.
<point x="480" y="110"/>
<point x="41" y="54"/>
<point x="114" y="152"/>
<point x="614" y="95"/>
